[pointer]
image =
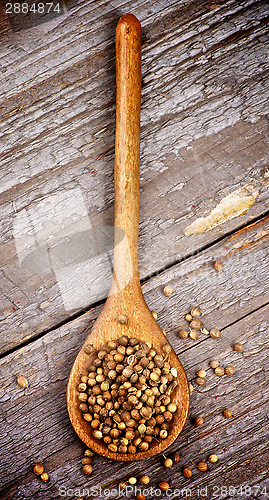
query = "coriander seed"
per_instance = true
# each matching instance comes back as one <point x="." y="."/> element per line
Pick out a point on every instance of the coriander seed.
<point x="196" y="324"/>
<point x="213" y="458"/>
<point x="200" y="381"/>
<point x="122" y="318"/>
<point x="86" y="461"/>
<point x="140" y="496"/>
<point x="87" y="470"/>
<point x="175" y="457"/>
<point x="187" y="472"/>
<point x="164" y="486"/>
<point x="218" y="265"/>
<point x="38" y="469"/>
<point x="188" y="318"/>
<point x="144" y="480"/>
<point x="196" y="312"/>
<point x="215" y="333"/>
<point x="201" y="373"/>
<point x="22" y="381"/>
<point x="44" y="476"/>
<point x="88" y="453"/>
<point x="193" y="335"/>
<point x="191" y="388"/>
<point x="229" y="370"/>
<point x="183" y="334"/>
<point x="202" y="466"/>
<point x="132" y="480"/>
<point x="167" y="291"/>
<point x="154" y="314"/>
<point x="238" y="347"/>
<point x="219" y="371"/>
<point x="227" y="413"/>
<point x="214" y="363"/>
<point x="122" y="485"/>
<point x="168" y="463"/>
<point x="198" y="421"/>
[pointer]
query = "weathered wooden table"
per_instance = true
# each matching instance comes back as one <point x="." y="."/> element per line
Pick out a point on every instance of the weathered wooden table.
<point x="204" y="197"/>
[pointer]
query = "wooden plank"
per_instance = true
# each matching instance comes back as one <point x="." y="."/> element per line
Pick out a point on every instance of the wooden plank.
<point x="36" y="426"/>
<point x="241" y="287"/>
<point x="211" y="131"/>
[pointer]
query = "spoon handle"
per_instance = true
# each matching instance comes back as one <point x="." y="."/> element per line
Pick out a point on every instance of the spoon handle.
<point x="127" y="150"/>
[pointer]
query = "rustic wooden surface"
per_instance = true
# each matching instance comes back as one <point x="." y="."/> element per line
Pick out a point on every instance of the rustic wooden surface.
<point x="204" y="165"/>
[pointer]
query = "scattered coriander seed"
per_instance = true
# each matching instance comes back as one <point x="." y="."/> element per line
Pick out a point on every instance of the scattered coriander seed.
<point x="164" y="486"/>
<point x="213" y="458"/>
<point x="122" y="318"/>
<point x="168" y="463"/>
<point x="44" y="476"/>
<point x="187" y="472"/>
<point x="87" y="470"/>
<point x="214" y="363"/>
<point x="218" y="265"/>
<point x="200" y="381"/>
<point x="144" y="480"/>
<point x="191" y="388"/>
<point x="22" y="381"/>
<point x="196" y="312"/>
<point x="202" y="466"/>
<point x="196" y="324"/>
<point x="193" y="335"/>
<point x="167" y="291"/>
<point x="219" y="370"/>
<point x="198" y="421"/>
<point x="227" y="413"/>
<point x="154" y="314"/>
<point x="88" y="453"/>
<point x="183" y="334"/>
<point x="238" y="347"/>
<point x="86" y="461"/>
<point x="122" y="485"/>
<point x="188" y="317"/>
<point x="204" y="331"/>
<point x="201" y="373"/>
<point x="215" y="333"/>
<point x="175" y="457"/>
<point x="140" y="496"/>
<point x="229" y="370"/>
<point x="132" y="480"/>
<point x="38" y="469"/>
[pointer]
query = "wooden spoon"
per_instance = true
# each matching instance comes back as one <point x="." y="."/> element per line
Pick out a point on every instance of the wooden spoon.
<point x="125" y="311"/>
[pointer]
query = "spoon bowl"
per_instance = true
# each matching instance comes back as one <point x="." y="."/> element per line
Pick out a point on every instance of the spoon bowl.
<point x="125" y="299"/>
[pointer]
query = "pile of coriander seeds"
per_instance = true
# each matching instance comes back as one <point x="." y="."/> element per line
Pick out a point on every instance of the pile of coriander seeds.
<point x="127" y="395"/>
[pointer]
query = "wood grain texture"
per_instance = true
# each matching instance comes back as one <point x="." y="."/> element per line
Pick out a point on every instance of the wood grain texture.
<point x="204" y="132"/>
<point x="38" y="413"/>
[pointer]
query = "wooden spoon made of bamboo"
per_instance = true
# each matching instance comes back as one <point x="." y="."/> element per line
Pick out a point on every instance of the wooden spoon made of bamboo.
<point x="125" y="296"/>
